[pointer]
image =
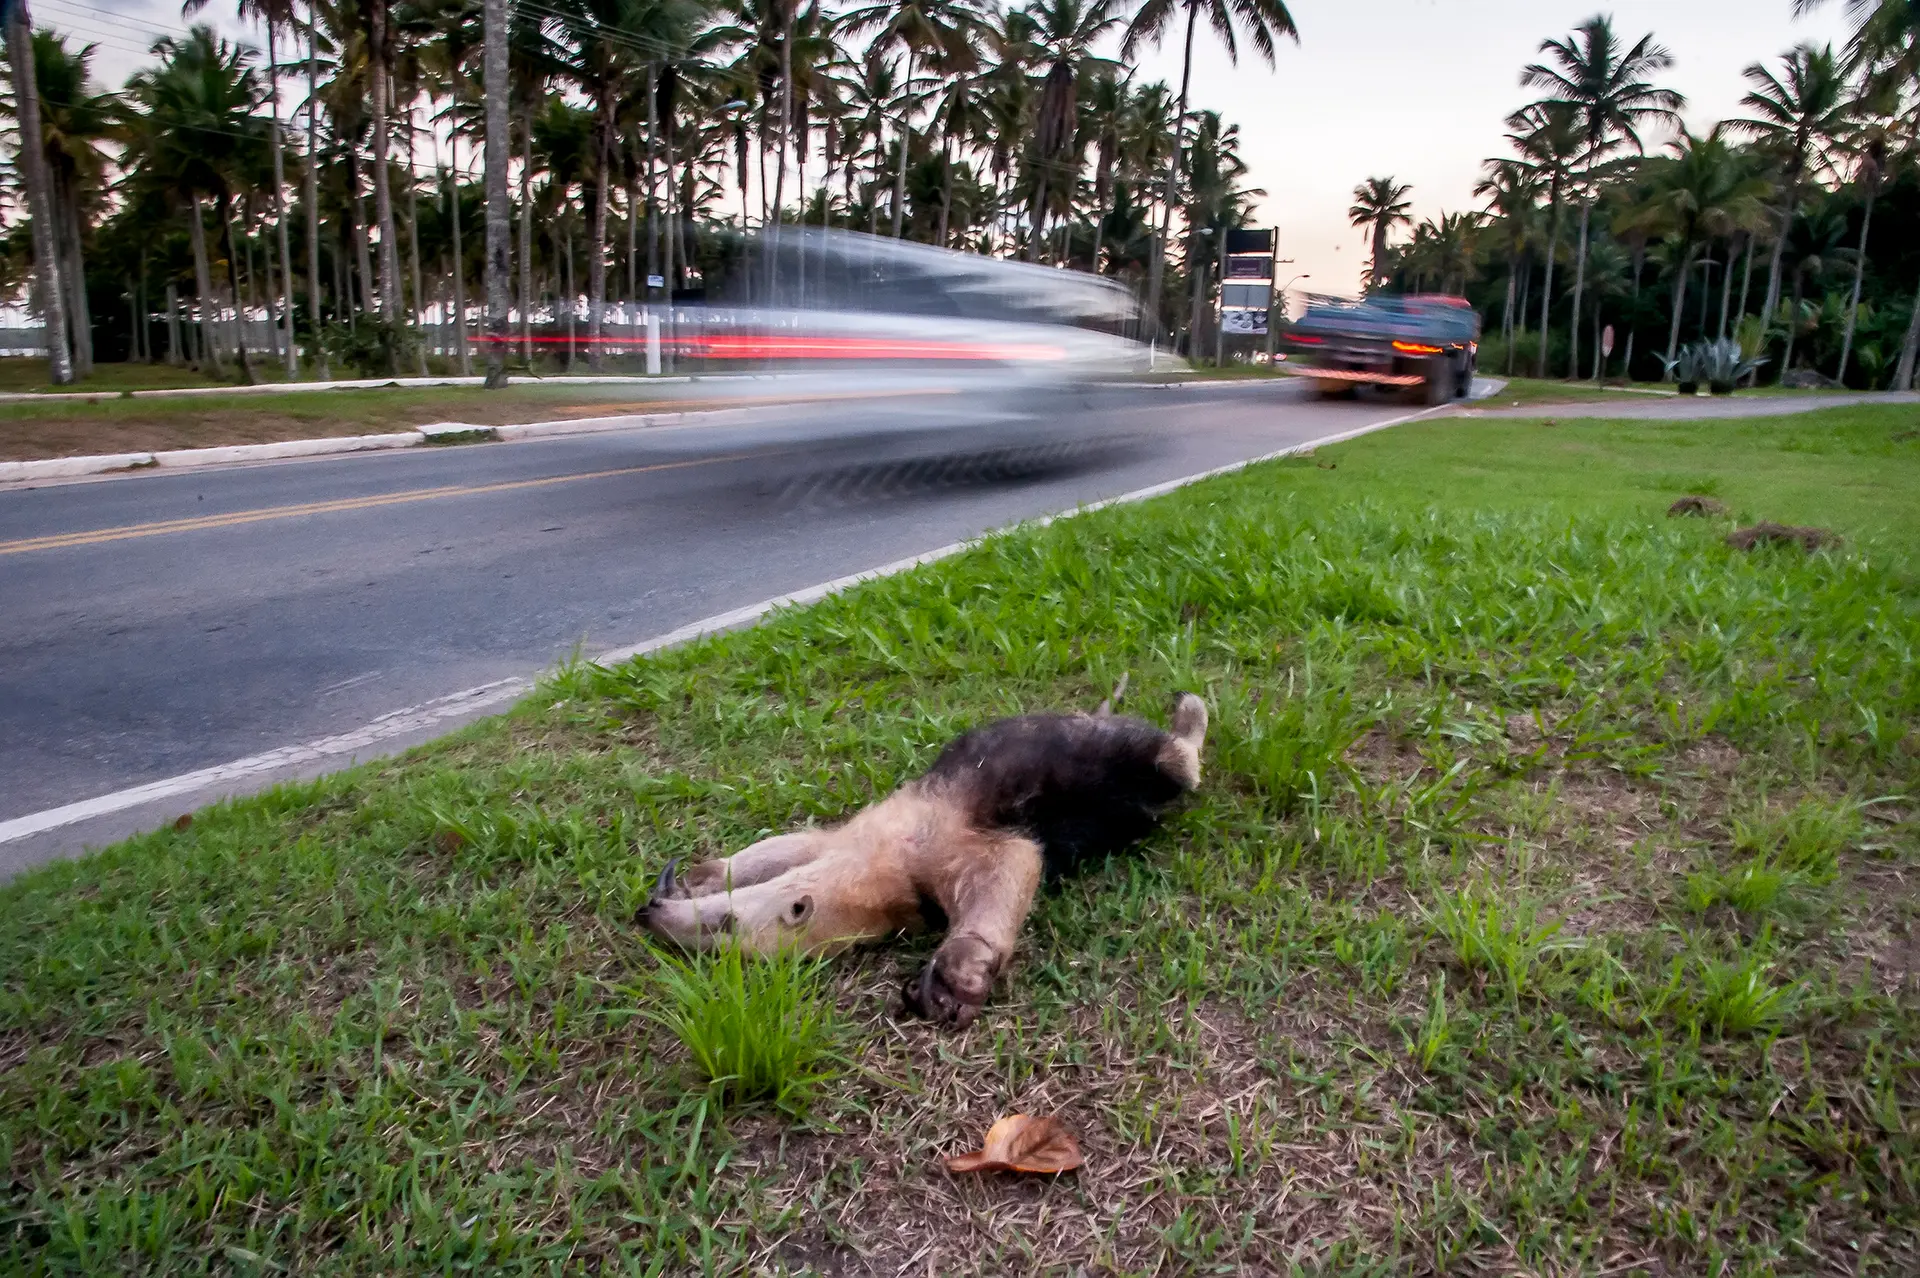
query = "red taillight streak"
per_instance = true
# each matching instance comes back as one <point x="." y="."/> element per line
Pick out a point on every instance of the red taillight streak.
<point x="744" y="346"/>
<point x="1415" y="348"/>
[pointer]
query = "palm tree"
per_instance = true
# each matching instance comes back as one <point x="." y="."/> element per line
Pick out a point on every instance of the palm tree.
<point x="1216" y="204"/>
<point x="1107" y="120"/>
<point x="1609" y="93"/>
<point x="1510" y="191"/>
<point x="1886" y="45"/>
<point x="1701" y="190"/>
<point x="1796" y="116"/>
<point x="942" y="33"/>
<point x="1870" y="149"/>
<point x="274" y="15"/>
<point x="33" y="161"/>
<point x="196" y="134"/>
<point x="1263" y="20"/>
<point x="1379" y="205"/>
<point x="1064" y="33"/>
<point x="380" y="58"/>
<point x="74" y="120"/>
<point x="1549" y="139"/>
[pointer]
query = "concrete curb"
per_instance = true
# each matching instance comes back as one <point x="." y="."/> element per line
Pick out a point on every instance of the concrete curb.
<point x="439" y="433"/>
<point x="359" y="383"/>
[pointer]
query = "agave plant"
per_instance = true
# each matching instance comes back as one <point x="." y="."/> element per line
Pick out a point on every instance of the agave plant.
<point x="1719" y="363"/>
<point x="1684" y="368"/>
<point x="1723" y="363"/>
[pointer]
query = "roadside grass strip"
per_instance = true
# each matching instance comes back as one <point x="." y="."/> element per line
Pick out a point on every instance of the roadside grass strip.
<point x="1549" y="906"/>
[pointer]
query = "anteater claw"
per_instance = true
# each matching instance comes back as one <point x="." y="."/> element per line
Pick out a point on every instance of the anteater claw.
<point x="664" y="887"/>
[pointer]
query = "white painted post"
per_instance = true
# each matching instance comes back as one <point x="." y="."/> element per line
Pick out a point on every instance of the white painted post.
<point x="653" y="343"/>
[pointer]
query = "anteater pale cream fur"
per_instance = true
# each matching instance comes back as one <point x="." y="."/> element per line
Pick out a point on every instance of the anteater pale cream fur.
<point x="970" y="841"/>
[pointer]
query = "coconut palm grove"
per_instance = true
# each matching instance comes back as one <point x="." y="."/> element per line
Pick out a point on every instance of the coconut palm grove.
<point x="393" y="186"/>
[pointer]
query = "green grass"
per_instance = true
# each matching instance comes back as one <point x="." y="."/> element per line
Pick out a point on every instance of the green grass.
<point x="1416" y="982"/>
<point x="757" y="1030"/>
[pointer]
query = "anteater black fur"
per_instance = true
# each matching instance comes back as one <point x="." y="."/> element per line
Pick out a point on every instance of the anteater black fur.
<point x="1083" y="787"/>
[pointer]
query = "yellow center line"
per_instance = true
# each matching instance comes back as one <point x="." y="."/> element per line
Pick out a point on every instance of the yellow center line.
<point x="161" y="528"/>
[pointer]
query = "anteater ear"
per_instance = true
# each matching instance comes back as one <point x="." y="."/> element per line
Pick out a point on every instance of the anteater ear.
<point x="800" y="911"/>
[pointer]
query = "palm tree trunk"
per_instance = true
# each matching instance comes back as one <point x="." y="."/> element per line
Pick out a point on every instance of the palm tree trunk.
<point x="786" y="108"/>
<point x="597" y="252"/>
<point x="292" y="354"/>
<point x="33" y="164"/>
<point x="566" y="266"/>
<point x="1157" y="263"/>
<point x="1909" y="348"/>
<point x="312" y="187"/>
<point x="203" y="282"/>
<point x="73" y="272"/>
<point x="362" y="250"/>
<point x="1520" y="313"/>
<point x="1546" y="291"/>
<point x="1793" y="321"/>
<point x="413" y="249"/>
<point x="1037" y="223"/>
<point x="223" y="208"/>
<point x="1746" y="280"/>
<point x="1726" y="291"/>
<point x="1579" y="282"/>
<point x="526" y="230"/>
<point x="380" y="75"/>
<point x="174" y="344"/>
<point x="1679" y="305"/>
<point x="495" y="88"/>
<point x="906" y="137"/>
<point x="1853" y="301"/>
<point x="459" y="268"/>
<point x="1779" y="254"/>
<point x="633" y="230"/>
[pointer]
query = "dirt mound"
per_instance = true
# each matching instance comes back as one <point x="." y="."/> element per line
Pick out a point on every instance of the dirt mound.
<point x="1694" y="505"/>
<point x="1767" y="533"/>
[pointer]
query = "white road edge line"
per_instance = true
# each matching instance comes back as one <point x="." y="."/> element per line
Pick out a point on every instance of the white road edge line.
<point x="464" y="703"/>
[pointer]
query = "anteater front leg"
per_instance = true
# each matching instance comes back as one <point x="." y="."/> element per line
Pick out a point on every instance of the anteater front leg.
<point x="986" y="891"/>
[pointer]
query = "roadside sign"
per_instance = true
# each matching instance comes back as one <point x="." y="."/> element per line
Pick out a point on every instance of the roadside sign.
<point x="1606" y="341"/>
<point x="1246" y="240"/>
<point x="656" y="281"/>
<point x="1249" y="268"/>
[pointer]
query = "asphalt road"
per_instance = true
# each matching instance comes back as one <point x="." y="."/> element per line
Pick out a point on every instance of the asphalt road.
<point x="157" y="624"/>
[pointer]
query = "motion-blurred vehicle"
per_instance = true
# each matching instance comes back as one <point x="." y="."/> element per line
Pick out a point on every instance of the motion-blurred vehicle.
<point x="1424" y="344"/>
<point x="800" y="297"/>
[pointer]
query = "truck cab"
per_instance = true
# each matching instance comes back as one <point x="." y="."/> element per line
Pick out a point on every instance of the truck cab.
<point x="1423" y="344"/>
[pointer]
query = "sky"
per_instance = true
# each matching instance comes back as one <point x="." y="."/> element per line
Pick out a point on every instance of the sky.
<point x="1419" y="90"/>
<point x="1413" y="89"/>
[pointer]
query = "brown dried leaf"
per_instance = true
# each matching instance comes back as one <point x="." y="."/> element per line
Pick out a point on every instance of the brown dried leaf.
<point x="1023" y="1143"/>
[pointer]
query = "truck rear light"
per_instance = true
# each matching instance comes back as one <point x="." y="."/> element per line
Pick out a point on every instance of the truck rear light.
<point x="1304" y="340"/>
<point x="1415" y="348"/>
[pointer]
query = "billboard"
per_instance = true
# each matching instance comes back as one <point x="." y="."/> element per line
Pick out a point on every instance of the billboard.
<point x="1246" y="240"/>
<point x="1260" y="295"/>
<point x="1249" y="268"/>
<point x="1251" y="323"/>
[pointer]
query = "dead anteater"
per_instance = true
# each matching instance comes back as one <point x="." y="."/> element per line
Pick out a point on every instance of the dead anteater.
<point x="1768" y="533"/>
<point x="967" y="844"/>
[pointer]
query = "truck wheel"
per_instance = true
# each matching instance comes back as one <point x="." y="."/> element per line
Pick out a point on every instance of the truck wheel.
<point x="1439" y="383"/>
